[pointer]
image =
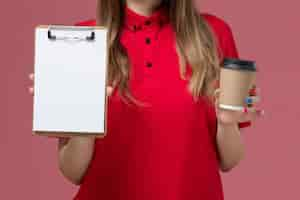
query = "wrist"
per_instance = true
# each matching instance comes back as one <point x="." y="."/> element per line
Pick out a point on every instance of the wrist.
<point x="227" y="127"/>
<point x="226" y="124"/>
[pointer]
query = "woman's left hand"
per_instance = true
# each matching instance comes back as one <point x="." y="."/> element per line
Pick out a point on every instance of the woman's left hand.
<point x="250" y="113"/>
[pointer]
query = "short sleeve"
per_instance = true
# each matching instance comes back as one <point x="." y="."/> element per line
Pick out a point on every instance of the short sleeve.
<point x="223" y="36"/>
<point x="227" y="48"/>
<point x="90" y="22"/>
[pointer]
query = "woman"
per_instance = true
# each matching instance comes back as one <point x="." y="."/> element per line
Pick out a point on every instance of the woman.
<point x="166" y="139"/>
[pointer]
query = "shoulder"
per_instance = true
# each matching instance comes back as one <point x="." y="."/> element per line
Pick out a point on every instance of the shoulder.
<point x="223" y="34"/>
<point x="219" y="25"/>
<point x="89" y="22"/>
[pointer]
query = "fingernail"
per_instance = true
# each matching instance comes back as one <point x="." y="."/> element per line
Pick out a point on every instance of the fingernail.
<point x="254" y="91"/>
<point x="252" y="99"/>
<point x="248" y="100"/>
<point x="245" y="110"/>
<point x="31" y="76"/>
<point x="30" y="89"/>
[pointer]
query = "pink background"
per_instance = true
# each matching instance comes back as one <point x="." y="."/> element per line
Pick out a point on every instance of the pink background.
<point x="264" y="31"/>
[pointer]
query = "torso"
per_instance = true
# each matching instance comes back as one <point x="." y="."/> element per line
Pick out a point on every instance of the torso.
<point x="165" y="151"/>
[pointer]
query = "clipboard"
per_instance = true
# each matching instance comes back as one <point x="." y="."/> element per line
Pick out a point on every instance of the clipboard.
<point x="70" y="80"/>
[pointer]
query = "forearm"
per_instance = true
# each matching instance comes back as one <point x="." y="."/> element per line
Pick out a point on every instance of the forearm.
<point x="230" y="146"/>
<point x="75" y="156"/>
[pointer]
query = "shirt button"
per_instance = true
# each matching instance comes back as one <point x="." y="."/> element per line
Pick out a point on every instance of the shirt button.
<point x="147" y="22"/>
<point x="148" y="40"/>
<point x="149" y="64"/>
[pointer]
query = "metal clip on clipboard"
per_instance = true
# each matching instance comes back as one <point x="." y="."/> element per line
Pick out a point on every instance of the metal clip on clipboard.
<point x="53" y="37"/>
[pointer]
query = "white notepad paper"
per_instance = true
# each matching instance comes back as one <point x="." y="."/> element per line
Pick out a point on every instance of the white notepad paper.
<point x="70" y="80"/>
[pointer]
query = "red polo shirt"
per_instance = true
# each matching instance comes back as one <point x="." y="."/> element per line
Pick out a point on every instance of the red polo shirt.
<point x="167" y="150"/>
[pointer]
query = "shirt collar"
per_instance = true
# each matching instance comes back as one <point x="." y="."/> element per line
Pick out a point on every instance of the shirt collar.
<point x="136" y="22"/>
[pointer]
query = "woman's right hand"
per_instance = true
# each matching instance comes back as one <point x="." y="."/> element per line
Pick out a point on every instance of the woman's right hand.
<point x="74" y="153"/>
<point x="109" y="89"/>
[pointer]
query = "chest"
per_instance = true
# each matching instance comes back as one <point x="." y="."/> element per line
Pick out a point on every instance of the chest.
<point x="152" y="54"/>
<point x="154" y="65"/>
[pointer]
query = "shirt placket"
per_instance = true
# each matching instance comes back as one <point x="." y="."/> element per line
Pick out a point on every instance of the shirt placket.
<point x="150" y="42"/>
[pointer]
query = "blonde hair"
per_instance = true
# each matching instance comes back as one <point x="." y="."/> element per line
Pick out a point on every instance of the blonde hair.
<point x="194" y="40"/>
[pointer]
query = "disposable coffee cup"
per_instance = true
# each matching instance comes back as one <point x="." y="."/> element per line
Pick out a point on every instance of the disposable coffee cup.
<point x="236" y="79"/>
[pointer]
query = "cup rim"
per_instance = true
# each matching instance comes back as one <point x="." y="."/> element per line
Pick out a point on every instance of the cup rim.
<point x="239" y="64"/>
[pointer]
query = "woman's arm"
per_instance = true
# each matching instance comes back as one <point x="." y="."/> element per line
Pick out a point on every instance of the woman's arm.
<point x="75" y="153"/>
<point x="74" y="156"/>
<point x="230" y="146"/>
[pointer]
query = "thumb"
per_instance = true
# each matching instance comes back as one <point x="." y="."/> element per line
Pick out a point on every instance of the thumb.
<point x="216" y="97"/>
<point x="109" y="90"/>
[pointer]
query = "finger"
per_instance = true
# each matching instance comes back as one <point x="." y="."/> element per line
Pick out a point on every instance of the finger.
<point x="109" y="90"/>
<point x="252" y="99"/>
<point x="253" y="110"/>
<point x="31" y="76"/>
<point x="246" y="117"/>
<point x="253" y="113"/>
<point x="31" y="90"/>
<point x="254" y="91"/>
<point x="216" y="97"/>
<point x="252" y="116"/>
<point x="260" y="112"/>
<point x="216" y="83"/>
<point x="216" y="103"/>
<point x="217" y="92"/>
<point x="257" y="90"/>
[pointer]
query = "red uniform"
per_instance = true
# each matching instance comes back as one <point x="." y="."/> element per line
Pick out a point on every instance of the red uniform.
<point x="166" y="151"/>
